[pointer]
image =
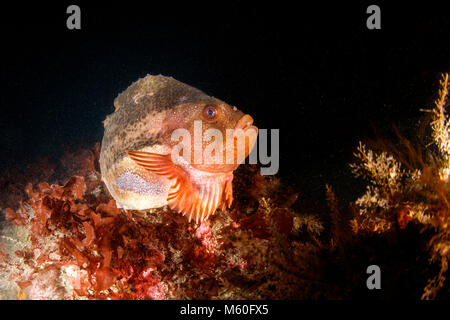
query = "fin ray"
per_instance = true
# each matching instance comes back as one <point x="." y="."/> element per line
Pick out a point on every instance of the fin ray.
<point x="196" y="201"/>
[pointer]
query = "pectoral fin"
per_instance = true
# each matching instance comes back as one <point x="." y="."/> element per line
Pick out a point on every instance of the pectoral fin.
<point x="197" y="200"/>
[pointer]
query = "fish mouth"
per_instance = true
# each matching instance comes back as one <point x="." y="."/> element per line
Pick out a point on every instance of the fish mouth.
<point x="245" y="128"/>
<point x="244" y="123"/>
<point x="245" y="135"/>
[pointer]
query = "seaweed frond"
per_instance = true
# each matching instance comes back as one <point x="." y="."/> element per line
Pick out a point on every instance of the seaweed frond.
<point x="411" y="188"/>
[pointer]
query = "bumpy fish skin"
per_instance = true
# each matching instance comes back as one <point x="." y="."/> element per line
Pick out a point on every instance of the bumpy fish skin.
<point x="135" y="157"/>
<point x="137" y="108"/>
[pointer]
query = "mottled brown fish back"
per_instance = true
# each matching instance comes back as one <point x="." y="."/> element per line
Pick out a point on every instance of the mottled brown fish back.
<point x="150" y="95"/>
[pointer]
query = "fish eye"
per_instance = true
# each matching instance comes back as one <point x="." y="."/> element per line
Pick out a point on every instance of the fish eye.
<point x="210" y="112"/>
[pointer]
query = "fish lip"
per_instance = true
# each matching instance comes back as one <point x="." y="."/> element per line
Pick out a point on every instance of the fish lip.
<point x="244" y="123"/>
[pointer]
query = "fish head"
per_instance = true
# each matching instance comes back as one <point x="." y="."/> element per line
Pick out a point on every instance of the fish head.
<point x="211" y="135"/>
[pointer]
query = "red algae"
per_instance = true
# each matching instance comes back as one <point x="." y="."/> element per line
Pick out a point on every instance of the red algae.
<point x="81" y="246"/>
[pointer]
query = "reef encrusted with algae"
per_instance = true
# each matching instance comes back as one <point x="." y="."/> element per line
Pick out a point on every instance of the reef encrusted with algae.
<point x="70" y="241"/>
<point x="62" y="236"/>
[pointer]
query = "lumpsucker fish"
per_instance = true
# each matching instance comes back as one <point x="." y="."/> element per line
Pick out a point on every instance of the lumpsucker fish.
<point x="149" y="156"/>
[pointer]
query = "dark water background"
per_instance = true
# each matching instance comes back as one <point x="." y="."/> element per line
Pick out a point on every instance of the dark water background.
<point x="314" y="72"/>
